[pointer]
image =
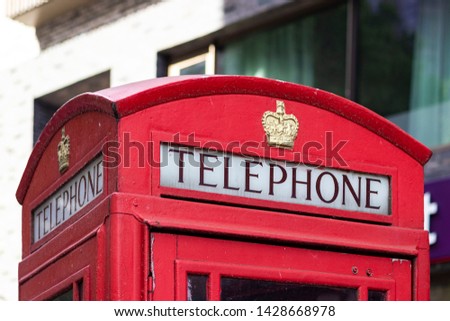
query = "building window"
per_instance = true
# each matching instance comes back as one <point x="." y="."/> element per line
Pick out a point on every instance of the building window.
<point x="429" y="116"/>
<point x="200" y="64"/>
<point x="404" y="69"/>
<point x="387" y="30"/>
<point x="303" y="51"/>
<point x="45" y="106"/>
<point x="392" y="56"/>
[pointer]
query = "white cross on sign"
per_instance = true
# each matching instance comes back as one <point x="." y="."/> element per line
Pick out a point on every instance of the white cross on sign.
<point x="429" y="209"/>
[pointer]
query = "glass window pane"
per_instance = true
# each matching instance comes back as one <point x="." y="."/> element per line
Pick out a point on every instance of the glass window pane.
<point x="65" y="296"/>
<point x="196" y="69"/>
<point x="233" y="289"/>
<point x="377" y="295"/>
<point x="303" y="51"/>
<point x="386" y="45"/>
<point x="197" y="287"/>
<point x="80" y="291"/>
<point x="429" y="114"/>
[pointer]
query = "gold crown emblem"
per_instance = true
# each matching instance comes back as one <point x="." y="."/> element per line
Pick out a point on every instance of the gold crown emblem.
<point x="63" y="151"/>
<point x="281" y="129"/>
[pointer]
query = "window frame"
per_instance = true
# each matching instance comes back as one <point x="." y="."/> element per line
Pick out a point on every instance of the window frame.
<point x="183" y="255"/>
<point x="209" y="57"/>
<point x="171" y="60"/>
<point x="80" y="293"/>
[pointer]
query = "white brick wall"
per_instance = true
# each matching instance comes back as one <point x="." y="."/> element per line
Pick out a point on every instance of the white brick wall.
<point x="18" y="45"/>
<point x="15" y="146"/>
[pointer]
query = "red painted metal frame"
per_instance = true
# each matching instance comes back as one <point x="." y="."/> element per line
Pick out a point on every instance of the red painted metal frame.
<point x="288" y="264"/>
<point x="70" y="282"/>
<point x="204" y="219"/>
<point x="200" y="219"/>
<point x="50" y="279"/>
<point x="117" y="266"/>
<point x="113" y="239"/>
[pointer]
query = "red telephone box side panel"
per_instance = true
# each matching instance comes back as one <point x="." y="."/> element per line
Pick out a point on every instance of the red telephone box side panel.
<point x="60" y="275"/>
<point x="117" y="257"/>
<point x="64" y="242"/>
<point x="78" y="284"/>
<point x="83" y="104"/>
<point x="88" y="132"/>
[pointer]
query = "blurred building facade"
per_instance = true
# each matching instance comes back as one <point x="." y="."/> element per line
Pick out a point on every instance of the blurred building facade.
<point x="392" y="56"/>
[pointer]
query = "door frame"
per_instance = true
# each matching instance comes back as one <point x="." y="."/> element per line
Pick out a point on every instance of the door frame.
<point x="180" y="255"/>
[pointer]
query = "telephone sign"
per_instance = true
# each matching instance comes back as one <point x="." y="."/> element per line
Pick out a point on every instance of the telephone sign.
<point x="213" y="172"/>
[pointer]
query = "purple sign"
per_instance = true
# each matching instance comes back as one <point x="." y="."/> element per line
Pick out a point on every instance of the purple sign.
<point x="437" y="218"/>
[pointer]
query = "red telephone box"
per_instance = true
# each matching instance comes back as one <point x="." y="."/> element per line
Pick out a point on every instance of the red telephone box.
<point x="222" y="188"/>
